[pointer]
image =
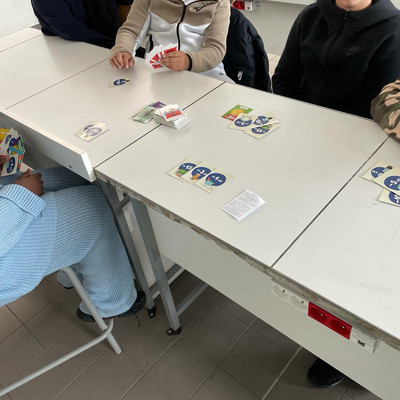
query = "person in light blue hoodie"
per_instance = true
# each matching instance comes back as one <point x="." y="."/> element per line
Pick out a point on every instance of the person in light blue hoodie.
<point x="52" y="219"/>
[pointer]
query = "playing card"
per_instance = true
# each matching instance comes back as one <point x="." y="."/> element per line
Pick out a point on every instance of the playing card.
<point x="390" y="180"/>
<point x="184" y="167"/>
<point x="214" y="180"/>
<point x="11" y="144"/>
<point x="197" y="173"/>
<point x="242" y="121"/>
<point x="91" y="130"/>
<point x="146" y="114"/>
<point x="388" y="197"/>
<point x="381" y="167"/>
<point x="260" y="131"/>
<point x="119" y="82"/>
<point x="235" y="111"/>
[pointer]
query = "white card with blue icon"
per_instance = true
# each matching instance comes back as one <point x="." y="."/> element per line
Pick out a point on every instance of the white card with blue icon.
<point x="198" y="173"/>
<point x="182" y="168"/>
<point x="214" y="180"/>
<point x="381" y="167"/>
<point x="242" y="121"/>
<point x="390" y="180"/>
<point x="262" y="125"/>
<point x="91" y="130"/>
<point x="389" y="197"/>
<point x="119" y="82"/>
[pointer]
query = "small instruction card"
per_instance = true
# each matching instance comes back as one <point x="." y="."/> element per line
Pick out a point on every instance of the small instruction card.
<point x="243" y="205"/>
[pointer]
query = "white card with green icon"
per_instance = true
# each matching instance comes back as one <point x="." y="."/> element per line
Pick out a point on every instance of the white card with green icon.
<point x="214" y="180"/>
<point x="182" y="168"/>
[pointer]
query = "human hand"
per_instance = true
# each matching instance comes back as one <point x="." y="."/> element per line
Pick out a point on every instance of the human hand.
<point x="32" y="182"/>
<point x="3" y="160"/>
<point x="176" y="60"/>
<point x="122" y="59"/>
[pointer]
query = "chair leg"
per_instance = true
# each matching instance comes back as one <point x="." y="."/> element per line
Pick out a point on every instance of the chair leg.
<point x="106" y="334"/>
<point x="93" y="310"/>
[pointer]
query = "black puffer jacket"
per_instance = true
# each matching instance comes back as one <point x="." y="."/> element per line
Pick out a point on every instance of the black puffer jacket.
<point x="245" y="61"/>
<point x="340" y="59"/>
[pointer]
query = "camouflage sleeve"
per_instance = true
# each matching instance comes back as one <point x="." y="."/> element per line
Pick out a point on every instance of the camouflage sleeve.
<point x="385" y="109"/>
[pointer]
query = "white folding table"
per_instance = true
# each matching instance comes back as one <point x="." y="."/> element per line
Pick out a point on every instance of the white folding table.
<point x="299" y="170"/>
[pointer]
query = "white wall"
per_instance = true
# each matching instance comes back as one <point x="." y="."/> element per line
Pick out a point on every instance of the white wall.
<point x="273" y="21"/>
<point x="15" y="15"/>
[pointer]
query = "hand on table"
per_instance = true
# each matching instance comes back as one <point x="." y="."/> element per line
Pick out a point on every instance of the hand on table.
<point x="176" y="61"/>
<point x="32" y="182"/>
<point x="122" y="59"/>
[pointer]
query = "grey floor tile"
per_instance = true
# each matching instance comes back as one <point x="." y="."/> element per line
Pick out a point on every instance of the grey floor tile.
<point x="144" y="345"/>
<point x="73" y="392"/>
<point x="255" y="362"/>
<point x="30" y="304"/>
<point x="45" y="387"/>
<point x="237" y="311"/>
<point x="55" y="320"/>
<point x="181" y="370"/>
<point x="277" y="338"/>
<point x="221" y="386"/>
<point x="215" y="332"/>
<point x="197" y="307"/>
<point x="8" y="323"/>
<point x="17" y="352"/>
<point x="294" y="385"/>
<point x="146" y="389"/>
<point x="357" y="392"/>
<point x="73" y="339"/>
<point x="110" y="377"/>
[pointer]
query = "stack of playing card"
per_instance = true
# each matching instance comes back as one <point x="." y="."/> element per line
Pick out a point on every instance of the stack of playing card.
<point x="171" y="115"/>
<point x="255" y="125"/>
<point x="91" y="130"/>
<point x="153" y="58"/>
<point x="386" y="175"/>
<point x="11" y="143"/>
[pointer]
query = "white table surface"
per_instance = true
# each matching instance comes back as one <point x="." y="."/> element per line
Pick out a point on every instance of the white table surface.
<point x="15" y="38"/>
<point x="65" y="108"/>
<point x="297" y="169"/>
<point x="350" y="254"/>
<point x="41" y="62"/>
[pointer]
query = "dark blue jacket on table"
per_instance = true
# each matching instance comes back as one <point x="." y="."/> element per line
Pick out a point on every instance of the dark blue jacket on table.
<point x="90" y="21"/>
<point x="340" y="59"/>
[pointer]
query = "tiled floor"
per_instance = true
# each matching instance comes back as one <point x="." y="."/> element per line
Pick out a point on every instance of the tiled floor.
<point x="224" y="353"/>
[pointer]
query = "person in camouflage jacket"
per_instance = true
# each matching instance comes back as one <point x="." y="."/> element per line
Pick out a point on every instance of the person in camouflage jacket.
<point x="385" y="109"/>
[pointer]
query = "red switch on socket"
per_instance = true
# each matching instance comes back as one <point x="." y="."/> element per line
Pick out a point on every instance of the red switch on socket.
<point x="240" y="5"/>
<point x="329" y="320"/>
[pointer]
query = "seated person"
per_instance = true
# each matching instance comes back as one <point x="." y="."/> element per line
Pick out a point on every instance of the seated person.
<point x="200" y="29"/>
<point x="340" y="54"/>
<point x="54" y="219"/>
<point x="91" y="21"/>
<point x="385" y="109"/>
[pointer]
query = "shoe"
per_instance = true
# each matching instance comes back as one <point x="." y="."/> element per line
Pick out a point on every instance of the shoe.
<point x="323" y="375"/>
<point x="136" y="307"/>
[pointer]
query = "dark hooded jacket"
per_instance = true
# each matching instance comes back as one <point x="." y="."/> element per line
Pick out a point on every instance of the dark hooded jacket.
<point x="340" y="59"/>
<point x="246" y="61"/>
<point x="90" y="21"/>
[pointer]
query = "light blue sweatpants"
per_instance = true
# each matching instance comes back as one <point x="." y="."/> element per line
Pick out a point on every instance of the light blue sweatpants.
<point x="88" y="241"/>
